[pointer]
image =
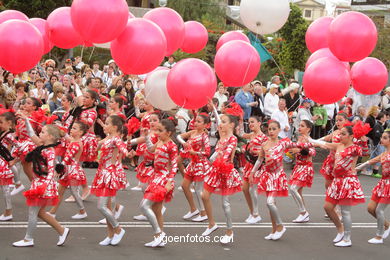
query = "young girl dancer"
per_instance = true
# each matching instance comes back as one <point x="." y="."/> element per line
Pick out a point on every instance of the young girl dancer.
<point x="197" y="149"/>
<point x="73" y="174"/>
<point x="380" y="198"/>
<point x="109" y="176"/>
<point x="43" y="191"/>
<point x="161" y="184"/>
<point x="345" y="189"/>
<point x="223" y="179"/>
<point x="273" y="180"/>
<point x="303" y="172"/>
<point x="257" y="138"/>
<point x="7" y="121"/>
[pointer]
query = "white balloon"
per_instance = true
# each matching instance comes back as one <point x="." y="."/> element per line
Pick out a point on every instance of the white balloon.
<point x="264" y="16"/>
<point x="106" y="45"/>
<point x="156" y="91"/>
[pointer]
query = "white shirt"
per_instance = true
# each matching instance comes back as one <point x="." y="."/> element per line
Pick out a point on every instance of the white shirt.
<point x="169" y="65"/>
<point x="108" y="79"/>
<point x="270" y="103"/>
<point x="183" y="119"/>
<point x="282" y="118"/>
<point x="97" y="74"/>
<point x="330" y="109"/>
<point x="222" y="98"/>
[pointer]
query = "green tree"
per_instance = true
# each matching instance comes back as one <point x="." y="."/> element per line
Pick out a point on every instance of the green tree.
<point x="383" y="45"/>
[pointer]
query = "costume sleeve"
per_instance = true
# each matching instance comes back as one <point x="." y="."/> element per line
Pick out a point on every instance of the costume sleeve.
<point x="89" y="117"/>
<point x="122" y="147"/>
<point x="231" y="147"/>
<point x="70" y="153"/>
<point x="206" y="144"/>
<point x="172" y="155"/>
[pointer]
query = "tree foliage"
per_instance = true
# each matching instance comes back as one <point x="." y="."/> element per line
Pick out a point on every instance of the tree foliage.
<point x="381" y="51"/>
<point x="36" y="8"/>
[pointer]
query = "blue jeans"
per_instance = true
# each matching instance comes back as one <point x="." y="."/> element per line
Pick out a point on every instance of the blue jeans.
<point x="378" y="150"/>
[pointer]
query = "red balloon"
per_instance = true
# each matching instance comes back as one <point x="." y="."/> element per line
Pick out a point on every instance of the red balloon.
<point x="317" y="34"/>
<point x="326" y="81"/>
<point x="195" y="37"/>
<point x="172" y="25"/>
<point x="191" y="83"/>
<point x="352" y="36"/>
<point x="12" y="14"/>
<point x="99" y="21"/>
<point x="41" y="26"/>
<point x="237" y="63"/>
<point x="369" y="76"/>
<point x="231" y="36"/>
<point x="22" y="49"/>
<point x="61" y="31"/>
<point x="140" y="48"/>
<point x="323" y="53"/>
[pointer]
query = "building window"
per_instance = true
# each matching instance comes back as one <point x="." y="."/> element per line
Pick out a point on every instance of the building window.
<point x="307" y="13"/>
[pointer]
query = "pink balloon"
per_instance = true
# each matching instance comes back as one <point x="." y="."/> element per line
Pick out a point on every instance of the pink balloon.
<point x="324" y="53"/>
<point x="12" y="14"/>
<point x="22" y="49"/>
<point x="317" y="34"/>
<point x="41" y="26"/>
<point x="99" y="21"/>
<point x="191" y="82"/>
<point x="156" y="69"/>
<point x="352" y="36"/>
<point x="237" y="63"/>
<point x="61" y="31"/>
<point x="172" y="25"/>
<point x="326" y="81"/>
<point x="231" y="36"/>
<point x="369" y="76"/>
<point x="195" y="37"/>
<point x="140" y="48"/>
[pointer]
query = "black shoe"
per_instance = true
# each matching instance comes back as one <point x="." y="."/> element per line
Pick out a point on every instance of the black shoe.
<point x="86" y="165"/>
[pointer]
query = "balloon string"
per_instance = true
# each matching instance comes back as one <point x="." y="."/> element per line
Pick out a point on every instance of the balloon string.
<point x="82" y="52"/>
<point x="247" y="69"/>
<point x="90" y="56"/>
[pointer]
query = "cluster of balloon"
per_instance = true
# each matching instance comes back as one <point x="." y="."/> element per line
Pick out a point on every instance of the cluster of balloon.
<point x="350" y="37"/>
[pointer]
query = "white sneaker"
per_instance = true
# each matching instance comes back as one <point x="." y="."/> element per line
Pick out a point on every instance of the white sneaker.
<point x="227" y="239"/>
<point x="17" y="190"/>
<point x="344" y="243"/>
<point x="386" y="234"/>
<point x="117" y="237"/>
<point x="62" y="238"/>
<point x="269" y="237"/>
<point x="200" y="218"/>
<point x="140" y="218"/>
<point x="119" y="212"/>
<point x="103" y="221"/>
<point x="53" y="215"/>
<point x="302" y="218"/>
<point x="248" y="218"/>
<point x="105" y="242"/>
<point x="180" y="188"/>
<point x="158" y="240"/>
<point x="254" y="220"/>
<point x="80" y="216"/>
<point x="208" y="231"/>
<point x="70" y="199"/>
<point x="5" y="218"/>
<point x="192" y="190"/>
<point x="338" y="238"/>
<point x="375" y="241"/>
<point x="278" y="234"/>
<point x="136" y="188"/>
<point x="163" y="210"/>
<point x="191" y="214"/>
<point x="23" y="243"/>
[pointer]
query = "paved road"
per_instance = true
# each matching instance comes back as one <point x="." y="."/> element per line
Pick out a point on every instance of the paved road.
<point x="301" y="241"/>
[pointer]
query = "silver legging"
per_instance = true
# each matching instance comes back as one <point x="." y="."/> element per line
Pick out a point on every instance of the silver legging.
<point x="146" y="209"/>
<point x="7" y="196"/>
<point x="298" y="198"/>
<point x="228" y="212"/>
<point x="274" y="210"/>
<point x="16" y="172"/>
<point x="380" y="218"/>
<point x="75" y="192"/>
<point x="198" y="194"/>
<point x="255" y="201"/>
<point x="32" y="221"/>
<point x="107" y="213"/>
<point x="347" y="221"/>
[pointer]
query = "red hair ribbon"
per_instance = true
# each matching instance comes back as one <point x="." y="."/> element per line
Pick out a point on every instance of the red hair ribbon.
<point x="133" y="125"/>
<point x="360" y="129"/>
<point x="234" y="110"/>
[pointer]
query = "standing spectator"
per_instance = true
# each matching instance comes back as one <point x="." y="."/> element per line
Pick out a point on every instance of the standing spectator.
<point x="39" y="92"/>
<point x="371" y="119"/>
<point x="9" y="82"/>
<point x="54" y="99"/>
<point x="304" y="113"/>
<point x="170" y="63"/>
<point x="386" y="99"/>
<point x="331" y="111"/>
<point x="67" y="82"/>
<point x="32" y="77"/>
<point x="48" y="72"/>
<point x="271" y="100"/>
<point x="112" y="63"/>
<point x="88" y="73"/>
<point x="320" y="123"/>
<point x="292" y="97"/>
<point x="21" y="94"/>
<point x="360" y="114"/>
<point x="377" y="148"/>
<point x="245" y="99"/>
<point x="220" y="95"/>
<point x="109" y="76"/>
<point x="259" y="98"/>
<point x="281" y="116"/>
<point x="95" y="70"/>
<point x="50" y="83"/>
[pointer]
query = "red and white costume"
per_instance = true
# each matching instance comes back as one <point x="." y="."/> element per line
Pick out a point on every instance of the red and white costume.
<point x="6" y="175"/>
<point x="254" y="147"/>
<point x="273" y="180"/>
<point x="26" y="145"/>
<point x="224" y="179"/>
<point x="328" y="165"/>
<point x="110" y="175"/>
<point x="66" y="121"/>
<point x="303" y="172"/>
<point x="199" y="166"/>
<point x="89" y="140"/>
<point x="145" y="168"/>
<point x="381" y="192"/>
<point x="345" y="188"/>
<point x="165" y="168"/>
<point x="43" y="190"/>
<point x="74" y="173"/>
